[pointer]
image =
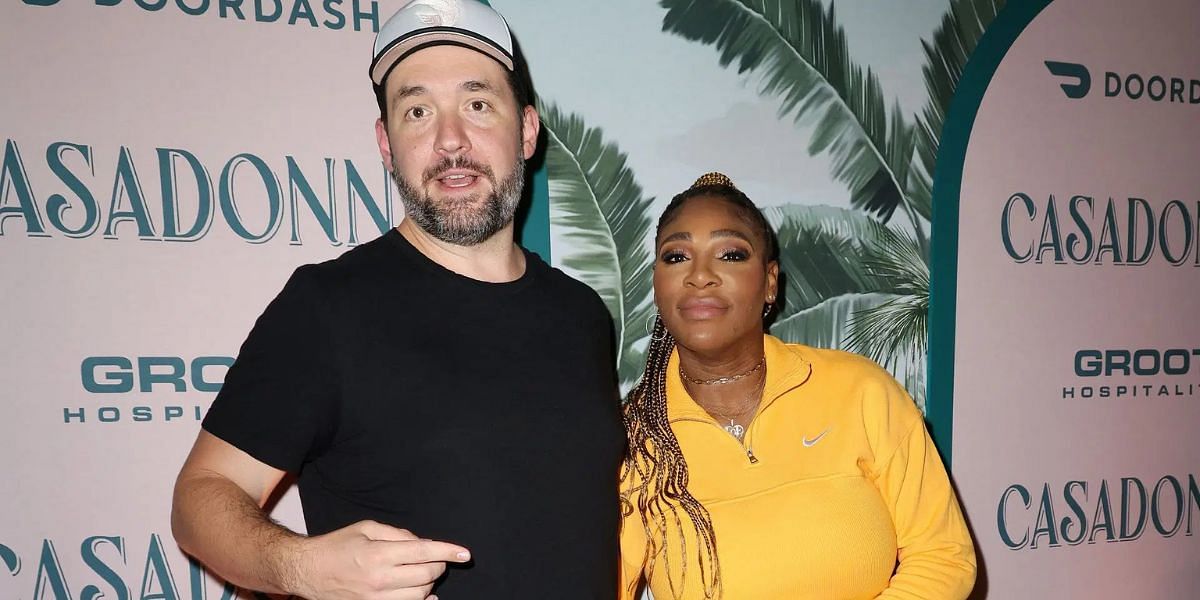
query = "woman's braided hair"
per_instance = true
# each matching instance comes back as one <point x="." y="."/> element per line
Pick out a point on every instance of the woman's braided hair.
<point x="655" y="473"/>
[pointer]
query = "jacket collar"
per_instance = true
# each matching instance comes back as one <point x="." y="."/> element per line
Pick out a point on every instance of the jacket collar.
<point x="787" y="369"/>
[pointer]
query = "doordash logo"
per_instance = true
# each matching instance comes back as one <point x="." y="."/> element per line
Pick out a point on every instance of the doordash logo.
<point x="1076" y="82"/>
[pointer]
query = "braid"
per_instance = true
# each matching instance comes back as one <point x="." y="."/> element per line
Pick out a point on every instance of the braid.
<point x="658" y="475"/>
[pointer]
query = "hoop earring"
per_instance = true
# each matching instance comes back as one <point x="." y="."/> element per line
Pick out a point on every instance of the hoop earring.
<point x="650" y="323"/>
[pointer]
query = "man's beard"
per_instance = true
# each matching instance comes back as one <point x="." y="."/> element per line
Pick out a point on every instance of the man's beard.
<point x="462" y="221"/>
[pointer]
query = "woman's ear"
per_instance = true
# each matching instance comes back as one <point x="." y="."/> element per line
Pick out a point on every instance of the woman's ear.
<point x="772" y="281"/>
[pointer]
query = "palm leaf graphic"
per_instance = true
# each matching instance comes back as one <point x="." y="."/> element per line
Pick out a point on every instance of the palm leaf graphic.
<point x="869" y="280"/>
<point x="821" y="254"/>
<point x="895" y="331"/>
<point x="853" y="283"/>
<point x="953" y="42"/>
<point x="847" y="280"/>
<point x="799" y="53"/>
<point x="826" y="325"/>
<point x="599" y="209"/>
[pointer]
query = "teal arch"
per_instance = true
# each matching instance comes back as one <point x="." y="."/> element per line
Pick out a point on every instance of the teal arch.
<point x="535" y="228"/>
<point x="947" y="185"/>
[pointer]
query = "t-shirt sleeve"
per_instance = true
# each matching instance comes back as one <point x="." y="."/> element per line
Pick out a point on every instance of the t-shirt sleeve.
<point x="278" y="402"/>
<point x="936" y="558"/>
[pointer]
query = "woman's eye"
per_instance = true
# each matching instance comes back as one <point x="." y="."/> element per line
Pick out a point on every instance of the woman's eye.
<point x="734" y="254"/>
<point x="671" y="257"/>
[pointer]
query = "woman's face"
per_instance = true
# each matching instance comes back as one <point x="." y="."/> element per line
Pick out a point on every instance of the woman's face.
<point x="711" y="276"/>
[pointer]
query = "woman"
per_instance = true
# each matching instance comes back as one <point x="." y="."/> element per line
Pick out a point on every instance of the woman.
<point x="759" y="469"/>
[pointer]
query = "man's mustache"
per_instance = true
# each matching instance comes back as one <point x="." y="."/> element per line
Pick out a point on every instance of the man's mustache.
<point x="460" y="162"/>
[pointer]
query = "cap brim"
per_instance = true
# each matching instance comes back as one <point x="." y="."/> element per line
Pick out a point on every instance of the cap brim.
<point x="401" y="48"/>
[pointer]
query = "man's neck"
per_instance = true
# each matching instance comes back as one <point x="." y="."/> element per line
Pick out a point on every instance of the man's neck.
<point x="495" y="260"/>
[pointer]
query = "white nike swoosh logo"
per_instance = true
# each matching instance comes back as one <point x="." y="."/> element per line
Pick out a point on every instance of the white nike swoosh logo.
<point x="810" y="443"/>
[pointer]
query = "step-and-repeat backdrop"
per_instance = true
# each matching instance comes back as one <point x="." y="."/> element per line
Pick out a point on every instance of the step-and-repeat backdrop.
<point x="165" y="164"/>
<point x="1070" y="155"/>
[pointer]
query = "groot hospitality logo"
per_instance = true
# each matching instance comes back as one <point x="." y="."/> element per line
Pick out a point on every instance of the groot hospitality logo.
<point x="146" y="389"/>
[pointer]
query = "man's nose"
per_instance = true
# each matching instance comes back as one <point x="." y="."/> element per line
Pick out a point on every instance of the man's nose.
<point x="452" y="136"/>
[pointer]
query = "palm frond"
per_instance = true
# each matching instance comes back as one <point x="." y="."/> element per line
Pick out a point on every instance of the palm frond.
<point x="826" y="325"/>
<point x="894" y="332"/>
<point x="821" y="254"/>
<point x="953" y="42"/>
<point x="891" y="331"/>
<point x="799" y="53"/>
<point x="599" y="209"/>
<point x="851" y="282"/>
<point x="894" y="257"/>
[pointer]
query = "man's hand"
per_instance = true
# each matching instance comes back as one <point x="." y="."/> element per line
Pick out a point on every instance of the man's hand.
<point x="372" y="561"/>
<point x="217" y="517"/>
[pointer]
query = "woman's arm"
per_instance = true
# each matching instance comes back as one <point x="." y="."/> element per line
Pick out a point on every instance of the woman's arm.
<point x="936" y="556"/>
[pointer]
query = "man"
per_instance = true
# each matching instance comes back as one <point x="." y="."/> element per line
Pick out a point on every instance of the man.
<point x="446" y="399"/>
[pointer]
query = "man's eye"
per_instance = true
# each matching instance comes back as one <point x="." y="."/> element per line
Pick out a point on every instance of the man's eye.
<point x="417" y="112"/>
<point x="479" y="105"/>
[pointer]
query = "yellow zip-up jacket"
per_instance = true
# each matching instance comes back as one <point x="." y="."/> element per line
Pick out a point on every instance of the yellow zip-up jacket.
<point x="836" y="493"/>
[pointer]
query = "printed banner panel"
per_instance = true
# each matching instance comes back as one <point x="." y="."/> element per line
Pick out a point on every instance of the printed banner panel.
<point x="165" y="166"/>
<point x="1077" y="350"/>
<point x="167" y="163"/>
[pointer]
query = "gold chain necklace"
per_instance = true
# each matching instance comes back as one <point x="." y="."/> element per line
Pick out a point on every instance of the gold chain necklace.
<point x="733" y="428"/>
<point x="722" y="380"/>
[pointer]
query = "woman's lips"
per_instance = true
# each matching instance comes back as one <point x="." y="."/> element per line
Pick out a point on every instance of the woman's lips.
<point x="700" y="309"/>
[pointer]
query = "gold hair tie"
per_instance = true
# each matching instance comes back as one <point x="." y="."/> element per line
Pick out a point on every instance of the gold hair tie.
<point x="713" y="178"/>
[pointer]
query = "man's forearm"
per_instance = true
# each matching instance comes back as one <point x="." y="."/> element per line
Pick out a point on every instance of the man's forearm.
<point x="218" y="523"/>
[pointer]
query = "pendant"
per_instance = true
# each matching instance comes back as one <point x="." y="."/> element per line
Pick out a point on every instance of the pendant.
<point x="735" y="430"/>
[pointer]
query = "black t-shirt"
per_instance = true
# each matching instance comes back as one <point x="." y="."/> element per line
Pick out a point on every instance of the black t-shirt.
<point x="477" y="413"/>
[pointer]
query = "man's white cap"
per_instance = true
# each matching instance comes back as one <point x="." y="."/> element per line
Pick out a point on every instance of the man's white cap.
<point x="422" y="23"/>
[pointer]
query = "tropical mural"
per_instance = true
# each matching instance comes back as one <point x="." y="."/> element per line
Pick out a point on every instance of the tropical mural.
<point x="856" y="275"/>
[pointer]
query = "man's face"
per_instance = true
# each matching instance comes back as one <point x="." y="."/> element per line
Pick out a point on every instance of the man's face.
<point x="456" y="142"/>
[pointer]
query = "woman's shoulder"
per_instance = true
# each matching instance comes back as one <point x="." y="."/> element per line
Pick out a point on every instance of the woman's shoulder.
<point x="842" y="361"/>
<point x="856" y="379"/>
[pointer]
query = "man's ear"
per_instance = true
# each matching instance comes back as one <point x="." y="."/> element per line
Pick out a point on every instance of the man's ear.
<point x="530" y="127"/>
<point x="385" y="145"/>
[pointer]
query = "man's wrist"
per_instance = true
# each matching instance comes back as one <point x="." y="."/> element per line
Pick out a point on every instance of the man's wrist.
<point x="286" y="554"/>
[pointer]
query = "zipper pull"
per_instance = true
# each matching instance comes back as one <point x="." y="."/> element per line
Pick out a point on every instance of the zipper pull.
<point x="750" y="455"/>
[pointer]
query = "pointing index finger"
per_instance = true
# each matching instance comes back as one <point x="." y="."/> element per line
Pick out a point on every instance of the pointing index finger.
<point x="426" y="551"/>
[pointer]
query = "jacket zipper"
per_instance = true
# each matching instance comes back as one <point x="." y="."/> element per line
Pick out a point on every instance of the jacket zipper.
<point x="749" y="426"/>
<point x="747" y="449"/>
